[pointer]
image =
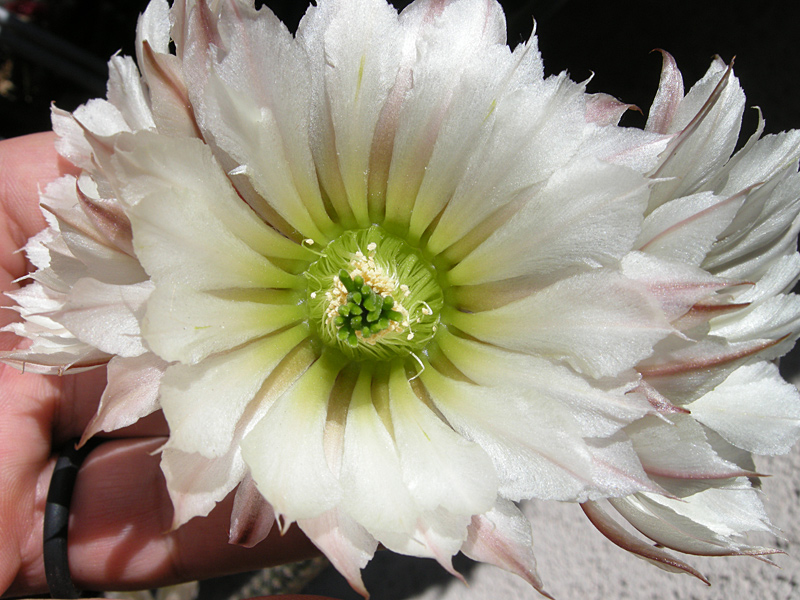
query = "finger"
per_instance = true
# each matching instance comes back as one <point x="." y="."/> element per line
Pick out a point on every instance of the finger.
<point x="28" y="164"/>
<point x="119" y="534"/>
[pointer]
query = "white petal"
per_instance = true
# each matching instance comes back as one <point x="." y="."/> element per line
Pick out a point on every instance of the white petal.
<point x="353" y="50"/>
<point x="125" y="91"/>
<point x="455" y="66"/>
<point x="625" y="146"/>
<point x="601" y="408"/>
<point x="603" y="109"/>
<point x="586" y="216"/>
<point x="71" y="142"/>
<point x="502" y="537"/>
<point x="285" y="450"/>
<point x="753" y="409"/>
<point x="101" y="118"/>
<point x="251" y="97"/>
<point x="196" y="483"/>
<point x="627" y="541"/>
<point x="344" y="542"/>
<point x="769" y="159"/>
<point x="708" y="523"/>
<point x="599" y="323"/>
<point x="375" y="492"/>
<point x="536" y="448"/>
<point x="131" y="393"/>
<point x="773" y="318"/>
<point x="189" y="224"/>
<point x="203" y="403"/>
<point x="505" y="168"/>
<point x="770" y="209"/>
<point x="106" y="316"/>
<point x="708" y="119"/>
<point x="779" y="278"/>
<point x="676" y="285"/>
<point x="438" y="535"/>
<point x="162" y="72"/>
<point x="684" y="370"/>
<point x="440" y="468"/>
<point x="80" y="236"/>
<point x="669" y="96"/>
<point x="187" y="326"/>
<point x="678" y="449"/>
<point x="685" y="228"/>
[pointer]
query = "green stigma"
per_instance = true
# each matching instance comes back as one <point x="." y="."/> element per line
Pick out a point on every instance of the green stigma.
<point x="372" y="296"/>
<point x="366" y="311"/>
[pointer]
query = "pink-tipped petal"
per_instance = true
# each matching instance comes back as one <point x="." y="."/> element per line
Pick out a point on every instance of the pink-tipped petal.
<point x="668" y="97"/>
<point x="627" y="541"/>
<point x="196" y="483"/>
<point x="602" y="109"/>
<point x="676" y="447"/>
<point x="131" y="393"/>
<point x="502" y="537"/>
<point x="252" y="516"/>
<point x="346" y="544"/>
<point x="709" y="523"/>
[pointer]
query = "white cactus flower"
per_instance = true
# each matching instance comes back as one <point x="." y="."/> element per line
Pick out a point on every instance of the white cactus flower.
<point x="385" y="279"/>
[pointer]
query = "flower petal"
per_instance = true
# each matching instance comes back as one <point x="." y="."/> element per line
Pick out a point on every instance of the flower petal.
<point x="505" y="168"/>
<point x="440" y="468"/>
<point x="709" y="523"/>
<point x="295" y="477"/>
<point x="354" y="59"/>
<point x="454" y="46"/>
<point x="502" y="537"/>
<point x="675" y="447"/>
<point x="536" y="448"/>
<point x="204" y="402"/>
<point x="131" y="393"/>
<point x="585" y="217"/>
<point x="677" y="286"/>
<point x="598" y="322"/>
<point x="668" y="98"/>
<point x="344" y="542"/>
<point x="685" y="228"/>
<point x="106" y="316"/>
<point x="601" y="408"/>
<point x="754" y="409"/>
<point x="708" y="120"/>
<point x="252" y="517"/>
<point x="197" y="483"/>
<point x="374" y="490"/>
<point x="627" y="541"/>
<point x="252" y="100"/>
<point x="187" y="326"/>
<point x="168" y="97"/>
<point x="126" y="92"/>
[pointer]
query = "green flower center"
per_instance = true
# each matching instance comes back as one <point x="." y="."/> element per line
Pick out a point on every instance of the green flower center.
<point x="372" y="296"/>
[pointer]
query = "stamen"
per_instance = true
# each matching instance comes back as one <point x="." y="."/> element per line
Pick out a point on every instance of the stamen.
<point x="422" y="369"/>
<point x="308" y="243"/>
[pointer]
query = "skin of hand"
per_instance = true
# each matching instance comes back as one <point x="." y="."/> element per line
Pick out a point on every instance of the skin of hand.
<point x="119" y="529"/>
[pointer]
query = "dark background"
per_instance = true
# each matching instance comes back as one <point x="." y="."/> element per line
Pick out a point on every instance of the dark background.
<point x="612" y="39"/>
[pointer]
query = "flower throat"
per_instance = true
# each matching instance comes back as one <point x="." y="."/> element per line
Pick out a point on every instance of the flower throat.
<point x="372" y="296"/>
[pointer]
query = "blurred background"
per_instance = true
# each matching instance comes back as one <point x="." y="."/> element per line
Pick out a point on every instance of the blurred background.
<point x="55" y="50"/>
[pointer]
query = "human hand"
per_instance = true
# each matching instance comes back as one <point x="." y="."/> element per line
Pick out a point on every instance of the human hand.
<point x="119" y="534"/>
